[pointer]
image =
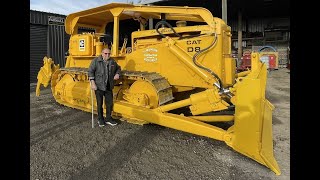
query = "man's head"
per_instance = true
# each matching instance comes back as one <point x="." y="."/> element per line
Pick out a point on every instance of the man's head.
<point x="105" y="53"/>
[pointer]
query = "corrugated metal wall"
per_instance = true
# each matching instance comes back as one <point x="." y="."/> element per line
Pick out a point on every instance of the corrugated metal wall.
<point x="56" y="44"/>
<point x="258" y="25"/>
<point x="38" y="49"/>
<point x="37" y="17"/>
<point x="66" y="43"/>
<point x="46" y="39"/>
<point x="234" y="25"/>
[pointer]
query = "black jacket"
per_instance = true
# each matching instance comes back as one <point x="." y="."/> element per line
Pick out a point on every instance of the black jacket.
<point x="97" y="72"/>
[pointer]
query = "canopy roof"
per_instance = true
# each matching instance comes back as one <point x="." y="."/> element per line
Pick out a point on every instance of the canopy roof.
<point x="98" y="17"/>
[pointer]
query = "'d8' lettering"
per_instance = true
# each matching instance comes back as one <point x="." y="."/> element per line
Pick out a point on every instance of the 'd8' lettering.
<point x="191" y="49"/>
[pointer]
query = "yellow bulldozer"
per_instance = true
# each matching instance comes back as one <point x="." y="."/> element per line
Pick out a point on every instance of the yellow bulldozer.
<point x="179" y="74"/>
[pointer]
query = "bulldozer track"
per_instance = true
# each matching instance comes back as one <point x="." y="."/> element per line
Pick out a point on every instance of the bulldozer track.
<point x="76" y="70"/>
<point x="163" y="88"/>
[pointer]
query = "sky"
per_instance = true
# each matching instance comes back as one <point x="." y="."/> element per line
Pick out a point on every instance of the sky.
<point x="66" y="7"/>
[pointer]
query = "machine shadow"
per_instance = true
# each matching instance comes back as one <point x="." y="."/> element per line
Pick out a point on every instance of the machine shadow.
<point x="114" y="158"/>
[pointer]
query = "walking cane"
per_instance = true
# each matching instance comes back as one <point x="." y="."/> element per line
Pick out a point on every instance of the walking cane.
<point x="92" y="121"/>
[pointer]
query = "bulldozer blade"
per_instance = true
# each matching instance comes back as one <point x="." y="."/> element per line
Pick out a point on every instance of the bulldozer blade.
<point x="251" y="134"/>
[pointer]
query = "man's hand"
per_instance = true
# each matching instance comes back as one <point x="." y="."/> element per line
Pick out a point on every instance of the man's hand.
<point x="93" y="85"/>
<point x="116" y="77"/>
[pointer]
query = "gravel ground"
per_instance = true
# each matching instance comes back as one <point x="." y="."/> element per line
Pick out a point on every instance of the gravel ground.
<point x="64" y="146"/>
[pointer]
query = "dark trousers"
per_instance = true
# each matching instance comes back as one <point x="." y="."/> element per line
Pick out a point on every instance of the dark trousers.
<point x="108" y="101"/>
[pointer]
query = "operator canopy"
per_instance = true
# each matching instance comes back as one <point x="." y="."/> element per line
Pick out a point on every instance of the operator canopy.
<point x="99" y="17"/>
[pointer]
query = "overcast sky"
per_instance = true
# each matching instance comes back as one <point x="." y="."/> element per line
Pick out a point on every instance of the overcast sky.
<point x="66" y="7"/>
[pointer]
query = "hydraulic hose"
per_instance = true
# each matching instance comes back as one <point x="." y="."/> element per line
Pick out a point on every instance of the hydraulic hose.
<point x="207" y="69"/>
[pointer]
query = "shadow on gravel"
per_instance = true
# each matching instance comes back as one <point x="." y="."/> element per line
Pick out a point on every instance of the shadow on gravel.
<point x="275" y="120"/>
<point x="45" y="120"/>
<point x="273" y="98"/>
<point x="35" y="138"/>
<point x="119" y="154"/>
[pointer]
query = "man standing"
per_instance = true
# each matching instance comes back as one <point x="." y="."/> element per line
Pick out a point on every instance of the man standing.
<point x="102" y="71"/>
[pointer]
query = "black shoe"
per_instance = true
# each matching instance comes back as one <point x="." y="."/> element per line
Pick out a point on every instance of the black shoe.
<point x="111" y="122"/>
<point x="101" y="124"/>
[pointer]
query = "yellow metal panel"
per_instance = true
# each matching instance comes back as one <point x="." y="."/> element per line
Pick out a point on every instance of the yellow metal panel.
<point x="81" y="62"/>
<point x="211" y="59"/>
<point x="99" y="47"/>
<point x="230" y="71"/>
<point x="81" y="45"/>
<point x="226" y="39"/>
<point x="247" y="112"/>
<point x="186" y="59"/>
<point x="267" y="142"/>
